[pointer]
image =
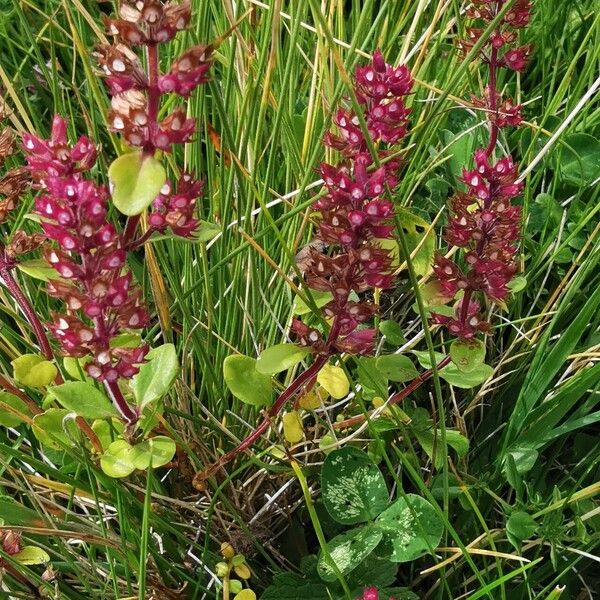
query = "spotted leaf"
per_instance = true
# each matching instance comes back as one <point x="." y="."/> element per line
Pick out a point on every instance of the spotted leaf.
<point x="349" y="550"/>
<point x="411" y="528"/>
<point x="353" y="488"/>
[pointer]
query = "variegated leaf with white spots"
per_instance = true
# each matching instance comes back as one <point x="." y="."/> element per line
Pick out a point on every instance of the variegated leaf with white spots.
<point x="353" y="488"/>
<point x="409" y="531"/>
<point x="348" y="550"/>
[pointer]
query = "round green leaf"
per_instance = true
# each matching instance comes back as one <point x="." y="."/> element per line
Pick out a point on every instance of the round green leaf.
<point x="410" y="528"/>
<point x="156" y="376"/>
<point x="31" y="555"/>
<point x="245" y="382"/>
<point x="8" y="418"/>
<point x="136" y="180"/>
<point x="53" y="429"/>
<point x="155" y="452"/>
<point x="521" y="525"/>
<point x="85" y="399"/>
<point x="117" y="460"/>
<point x="33" y="370"/>
<point x="467" y="354"/>
<point x="349" y="550"/>
<point x="280" y="358"/>
<point x="352" y="486"/>
<point x="397" y="367"/>
<point x="580" y="159"/>
<point x="333" y="379"/>
<point x="107" y="431"/>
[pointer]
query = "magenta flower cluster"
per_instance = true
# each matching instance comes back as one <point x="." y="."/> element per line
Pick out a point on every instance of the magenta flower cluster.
<point x="88" y="255"/>
<point x="355" y="210"/>
<point x="371" y="593"/>
<point x="483" y="222"/>
<point x="138" y="92"/>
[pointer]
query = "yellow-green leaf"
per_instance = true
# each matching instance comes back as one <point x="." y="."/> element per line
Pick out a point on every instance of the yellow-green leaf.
<point x="33" y="370"/>
<point x="334" y="380"/>
<point x="135" y="180"/>
<point x="292" y="427"/>
<point x="31" y="555"/>
<point x="245" y="595"/>
<point x="416" y="232"/>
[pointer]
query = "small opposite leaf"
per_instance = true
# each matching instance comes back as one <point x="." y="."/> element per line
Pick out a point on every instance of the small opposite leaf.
<point x="245" y="382"/>
<point x="38" y="269"/>
<point x="349" y="550"/>
<point x="85" y="399"/>
<point x="467" y="354"/>
<point x="117" y="461"/>
<point x="49" y="428"/>
<point x="7" y="417"/>
<point x="334" y="381"/>
<point x="135" y="182"/>
<point x="280" y="358"/>
<point x="392" y="332"/>
<point x="33" y="370"/>
<point x="352" y="486"/>
<point x="411" y="527"/>
<point x="31" y="555"/>
<point x="292" y="427"/>
<point x="320" y="299"/>
<point x="452" y="375"/>
<point x="397" y="367"/>
<point x="418" y="234"/>
<point x="156" y="376"/>
<point x="155" y="452"/>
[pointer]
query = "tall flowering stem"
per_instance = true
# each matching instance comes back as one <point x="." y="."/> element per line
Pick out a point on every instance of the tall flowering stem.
<point x="483" y="222"/>
<point x="87" y="253"/>
<point x="354" y="214"/>
<point x="137" y="93"/>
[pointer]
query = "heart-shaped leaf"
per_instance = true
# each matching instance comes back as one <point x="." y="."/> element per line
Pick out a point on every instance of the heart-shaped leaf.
<point x="156" y="376"/>
<point x="85" y="399"/>
<point x="156" y="452"/>
<point x="117" y="460"/>
<point x="411" y="527"/>
<point x="349" y="550"/>
<point x="33" y="370"/>
<point x="352" y="486"/>
<point x="136" y="180"/>
<point x="280" y="358"/>
<point x="245" y="382"/>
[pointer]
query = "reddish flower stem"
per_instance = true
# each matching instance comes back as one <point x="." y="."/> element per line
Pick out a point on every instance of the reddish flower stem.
<point x="25" y="306"/>
<point x="493" y="101"/>
<point x="304" y="379"/>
